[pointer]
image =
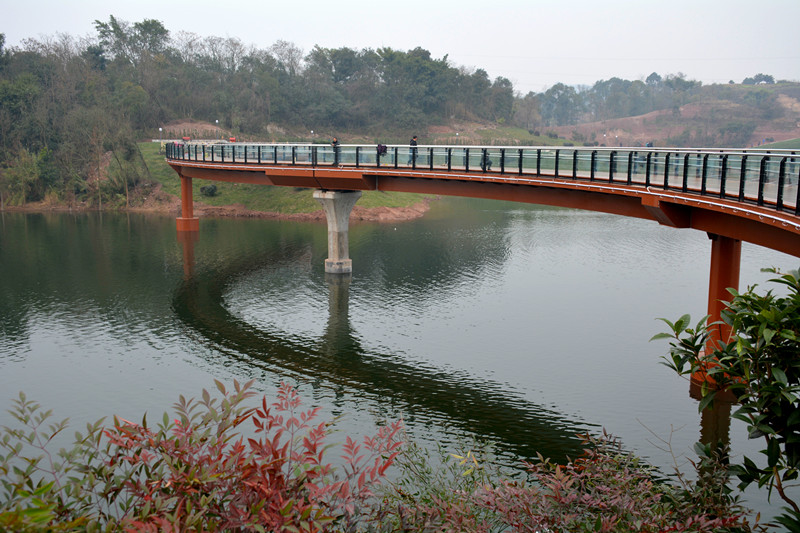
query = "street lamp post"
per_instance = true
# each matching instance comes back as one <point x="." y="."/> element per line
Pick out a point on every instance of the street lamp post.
<point x="160" y="140"/>
<point x="217" y="122"/>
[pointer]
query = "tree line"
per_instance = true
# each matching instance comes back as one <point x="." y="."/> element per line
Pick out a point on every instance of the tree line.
<point x="69" y="105"/>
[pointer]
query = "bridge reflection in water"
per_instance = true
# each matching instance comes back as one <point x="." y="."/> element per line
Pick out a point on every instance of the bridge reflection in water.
<point x="520" y="428"/>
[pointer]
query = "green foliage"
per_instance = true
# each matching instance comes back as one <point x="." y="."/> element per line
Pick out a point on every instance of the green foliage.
<point x="30" y="176"/>
<point x="760" y="367"/>
<point x="208" y="190"/>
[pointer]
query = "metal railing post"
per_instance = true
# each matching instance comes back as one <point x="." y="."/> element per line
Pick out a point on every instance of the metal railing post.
<point x="762" y="178"/>
<point x="723" y="175"/>
<point x="685" y="184"/>
<point x="704" y="175"/>
<point x="611" y="165"/>
<point x="593" y="165"/>
<point x="574" y="164"/>
<point x="630" y="168"/>
<point x="555" y="171"/>
<point x="539" y="162"/>
<point x="781" y="180"/>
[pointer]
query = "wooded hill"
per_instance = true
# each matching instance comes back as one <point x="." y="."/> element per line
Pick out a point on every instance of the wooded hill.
<point x="71" y="110"/>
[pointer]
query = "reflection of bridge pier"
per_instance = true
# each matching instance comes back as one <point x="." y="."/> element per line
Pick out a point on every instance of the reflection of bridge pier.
<point x="187" y="240"/>
<point x="338" y="342"/>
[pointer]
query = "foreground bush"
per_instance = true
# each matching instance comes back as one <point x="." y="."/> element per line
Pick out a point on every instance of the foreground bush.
<point x="606" y="490"/>
<point x="196" y="473"/>
<point x="200" y="473"/>
<point x="759" y="366"/>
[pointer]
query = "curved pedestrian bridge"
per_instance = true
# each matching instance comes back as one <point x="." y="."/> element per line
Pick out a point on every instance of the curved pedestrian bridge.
<point x="749" y="195"/>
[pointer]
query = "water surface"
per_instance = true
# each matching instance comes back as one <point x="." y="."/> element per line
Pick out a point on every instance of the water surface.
<point x="519" y="324"/>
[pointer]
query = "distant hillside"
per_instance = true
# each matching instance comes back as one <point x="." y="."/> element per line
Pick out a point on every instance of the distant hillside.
<point x="732" y="116"/>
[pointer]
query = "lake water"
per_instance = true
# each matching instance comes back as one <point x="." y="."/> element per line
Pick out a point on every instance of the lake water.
<point x="518" y="324"/>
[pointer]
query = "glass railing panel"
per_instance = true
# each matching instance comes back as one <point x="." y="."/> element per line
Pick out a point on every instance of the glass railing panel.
<point x="714" y="175"/>
<point x="751" y="176"/>
<point x="303" y="155"/>
<point x="602" y="165"/>
<point x="511" y="162"/>
<point x="583" y="168"/>
<point x="458" y="158"/>
<point x="475" y="156"/>
<point x="325" y="155"/>
<point x="790" y="182"/>
<point x="548" y="161"/>
<point x="638" y="167"/>
<point x="440" y="157"/>
<point x="529" y="161"/>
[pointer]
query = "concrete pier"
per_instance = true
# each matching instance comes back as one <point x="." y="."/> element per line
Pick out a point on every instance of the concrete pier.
<point x="337" y="206"/>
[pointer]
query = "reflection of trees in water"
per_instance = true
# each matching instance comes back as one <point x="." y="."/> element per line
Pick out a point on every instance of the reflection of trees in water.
<point x="111" y="265"/>
<point x="338" y="358"/>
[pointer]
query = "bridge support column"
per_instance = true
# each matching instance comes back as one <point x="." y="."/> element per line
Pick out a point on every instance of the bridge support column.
<point x="187" y="221"/>
<point x="726" y="256"/>
<point x="337" y="206"/>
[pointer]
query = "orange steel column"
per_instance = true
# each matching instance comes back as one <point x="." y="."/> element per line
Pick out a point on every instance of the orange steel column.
<point x="187" y="221"/>
<point x="726" y="255"/>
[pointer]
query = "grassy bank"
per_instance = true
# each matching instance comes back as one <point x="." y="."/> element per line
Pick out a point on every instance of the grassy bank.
<point x="284" y="200"/>
<point x="792" y="144"/>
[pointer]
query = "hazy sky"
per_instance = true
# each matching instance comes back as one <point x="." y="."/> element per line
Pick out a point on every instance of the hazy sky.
<point x="534" y="43"/>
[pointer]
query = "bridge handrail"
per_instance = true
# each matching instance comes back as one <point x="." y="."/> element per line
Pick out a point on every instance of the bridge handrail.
<point x="767" y="178"/>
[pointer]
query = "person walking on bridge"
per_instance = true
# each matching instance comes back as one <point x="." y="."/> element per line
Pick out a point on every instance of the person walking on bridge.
<point x="335" y="144"/>
<point x="412" y="152"/>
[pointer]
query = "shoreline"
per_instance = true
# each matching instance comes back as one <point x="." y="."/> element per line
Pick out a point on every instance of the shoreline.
<point x="363" y="214"/>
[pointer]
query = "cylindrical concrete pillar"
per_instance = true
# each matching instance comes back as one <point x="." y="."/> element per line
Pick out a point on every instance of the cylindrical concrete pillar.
<point x="337" y="206"/>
